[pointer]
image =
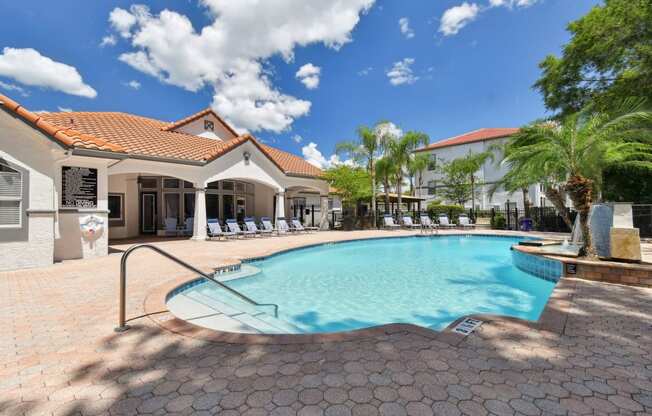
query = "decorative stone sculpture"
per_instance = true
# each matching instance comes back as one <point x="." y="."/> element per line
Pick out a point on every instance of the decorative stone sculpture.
<point x="625" y="244"/>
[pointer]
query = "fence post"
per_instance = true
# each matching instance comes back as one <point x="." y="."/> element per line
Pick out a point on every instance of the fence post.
<point x="332" y="219"/>
<point x="493" y="214"/>
<point x="312" y="214"/>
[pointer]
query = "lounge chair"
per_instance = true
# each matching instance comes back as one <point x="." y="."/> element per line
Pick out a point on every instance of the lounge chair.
<point x="233" y="226"/>
<point x="296" y="224"/>
<point x="282" y="226"/>
<point x="215" y="231"/>
<point x="444" y="222"/>
<point x="251" y="226"/>
<point x="267" y="226"/>
<point x="388" y="222"/>
<point x="170" y="226"/>
<point x="464" y="222"/>
<point x="407" y="223"/>
<point x="426" y="223"/>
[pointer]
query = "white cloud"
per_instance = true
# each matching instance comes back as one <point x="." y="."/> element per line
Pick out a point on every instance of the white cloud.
<point x="512" y="3"/>
<point x="313" y="156"/>
<point x="29" y="67"/>
<point x="108" y="40"/>
<point x="455" y="18"/>
<point x="133" y="84"/>
<point x="404" y="25"/>
<point x="13" y="87"/>
<point x="388" y="129"/>
<point x="297" y="138"/>
<point x="229" y="54"/>
<point x="309" y="75"/>
<point x="364" y="72"/>
<point x="401" y="72"/>
<point x="65" y="109"/>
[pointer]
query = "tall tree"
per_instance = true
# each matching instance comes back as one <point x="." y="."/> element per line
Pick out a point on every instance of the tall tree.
<point x="460" y="175"/>
<point x="385" y="172"/>
<point x="351" y="182"/>
<point x="608" y="59"/>
<point x="578" y="149"/>
<point x="366" y="151"/>
<point x="416" y="166"/>
<point x="400" y="151"/>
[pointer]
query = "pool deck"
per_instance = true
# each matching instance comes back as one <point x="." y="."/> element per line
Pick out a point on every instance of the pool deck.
<point x="61" y="356"/>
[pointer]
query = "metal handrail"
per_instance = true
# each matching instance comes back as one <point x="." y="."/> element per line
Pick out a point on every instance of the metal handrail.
<point x="122" y="326"/>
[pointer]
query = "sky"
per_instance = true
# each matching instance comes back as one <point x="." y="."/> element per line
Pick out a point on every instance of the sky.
<point x="300" y="75"/>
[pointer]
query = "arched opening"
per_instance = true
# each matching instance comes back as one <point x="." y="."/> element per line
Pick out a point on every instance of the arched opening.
<point x="305" y="203"/>
<point x="236" y="198"/>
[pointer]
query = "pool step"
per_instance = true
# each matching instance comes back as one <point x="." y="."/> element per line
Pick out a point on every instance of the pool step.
<point x="233" y="317"/>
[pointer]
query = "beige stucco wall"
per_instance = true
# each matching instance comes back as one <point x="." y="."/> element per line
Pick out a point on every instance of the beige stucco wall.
<point x="27" y="148"/>
<point x="196" y="128"/>
<point x="126" y="184"/>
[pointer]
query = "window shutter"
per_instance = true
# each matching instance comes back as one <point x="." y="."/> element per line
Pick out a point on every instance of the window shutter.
<point x="11" y="192"/>
<point x="11" y="185"/>
<point x="9" y="212"/>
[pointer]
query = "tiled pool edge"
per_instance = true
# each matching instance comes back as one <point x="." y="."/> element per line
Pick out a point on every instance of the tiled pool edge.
<point x="538" y="266"/>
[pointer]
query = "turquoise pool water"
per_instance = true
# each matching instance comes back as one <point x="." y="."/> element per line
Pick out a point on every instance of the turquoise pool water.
<point x="424" y="281"/>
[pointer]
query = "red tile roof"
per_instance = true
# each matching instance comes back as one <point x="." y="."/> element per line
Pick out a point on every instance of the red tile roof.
<point x="136" y="135"/>
<point x="471" y="137"/>
<point x="195" y="116"/>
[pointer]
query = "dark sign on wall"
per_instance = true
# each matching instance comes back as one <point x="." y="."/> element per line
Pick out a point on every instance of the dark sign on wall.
<point x="78" y="187"/>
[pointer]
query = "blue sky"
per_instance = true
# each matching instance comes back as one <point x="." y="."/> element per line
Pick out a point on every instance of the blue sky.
<point x="456" y="66"/>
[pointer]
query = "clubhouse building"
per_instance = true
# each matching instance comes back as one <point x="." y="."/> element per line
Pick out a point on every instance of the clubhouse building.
<point x="70" y="181"/>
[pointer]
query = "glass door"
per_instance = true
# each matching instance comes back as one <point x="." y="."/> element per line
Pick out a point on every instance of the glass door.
<point x="241" y="208"/>
<point x="148" y="213"/>
<point x="228" y="208"/>
<point x="212" y="206"/>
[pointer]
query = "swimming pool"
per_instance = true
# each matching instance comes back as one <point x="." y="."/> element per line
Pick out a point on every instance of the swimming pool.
<point x="426" y="281"/>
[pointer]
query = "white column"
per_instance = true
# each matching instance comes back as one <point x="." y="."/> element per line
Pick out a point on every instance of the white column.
<point x="199" y="223"/>
<point x="280" y="205"/>
<point x="323" y="209"/>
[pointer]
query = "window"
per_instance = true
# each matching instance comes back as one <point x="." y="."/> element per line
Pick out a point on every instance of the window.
<point x="432" y="187"/>
<point x="116" y="209"/>
<point x="432" y="163"/>
<point x="188" y="185"/>
<point x="11" y="196"/>
<point x="330" y="204"/>
<point x="171" y="183"/>
<point x="171" y="203"/>
<point x="227" y="185"/>
<point x="209" y="125"/>
<point x="149" y="183"/>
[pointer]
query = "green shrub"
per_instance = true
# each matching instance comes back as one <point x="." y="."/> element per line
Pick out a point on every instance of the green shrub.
<point x="453" y="211"/>
<point x="498" y="222"/>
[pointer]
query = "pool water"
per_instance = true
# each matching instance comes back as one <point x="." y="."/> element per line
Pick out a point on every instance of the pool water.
<point x="420" y="280"/>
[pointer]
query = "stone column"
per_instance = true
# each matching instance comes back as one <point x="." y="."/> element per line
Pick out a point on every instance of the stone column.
<point x="280" y="204"/>
<point x="323" y="209"/>
<point x="199" y="223"/>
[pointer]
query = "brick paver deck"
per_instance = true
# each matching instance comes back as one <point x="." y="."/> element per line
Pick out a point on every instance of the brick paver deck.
<point x="60" y="355"/>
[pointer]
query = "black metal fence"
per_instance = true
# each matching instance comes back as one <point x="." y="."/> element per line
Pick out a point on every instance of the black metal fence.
<point x="642" y="216"/>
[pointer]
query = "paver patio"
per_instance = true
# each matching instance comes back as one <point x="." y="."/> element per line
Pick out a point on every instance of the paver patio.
<point x="61" y="356"/>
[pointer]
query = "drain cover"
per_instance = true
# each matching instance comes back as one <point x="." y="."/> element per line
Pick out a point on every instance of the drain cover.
<point x="467" y="326"/>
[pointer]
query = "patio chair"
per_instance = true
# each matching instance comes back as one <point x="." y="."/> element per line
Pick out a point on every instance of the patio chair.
<point x="296" y="224"/>
<point x="251" y="226"/>
<point x="282" y="226"/>
<point x="388" y="223"/>
<point x="407" y="223"/>
<point x="444" y="222"/>
<point x="426" y="223"/>
<point x="233" y="226"/>
<point x="465" y="222"/>
<point x="170" y="226"/>
<point x="267" y="226"/>
<point x="215" y="231"/>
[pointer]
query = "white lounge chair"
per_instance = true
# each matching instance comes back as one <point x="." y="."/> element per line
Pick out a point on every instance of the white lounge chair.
<point x="426" y="223"/>
<point x="267" y="226"/>
<point x="302" y="228"/>
<point x="464" y="222"/>
<point x="282" y="226"/>
<point x="407" y="223"/>
<point x="251" y="226"/>
<point x="215" y="231"/>
<point x="235" y="228"/>
<point x="170" y="226"/>
<point x="388" y="222"/>
<point x="444" y="222"/>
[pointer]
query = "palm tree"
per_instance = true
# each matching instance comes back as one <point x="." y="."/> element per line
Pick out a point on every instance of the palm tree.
<point x="578" y="149"/>
<point x="385" y="172"/>
<point x="417" y="165"/>
<point x="400" y="151"/>
<point x="366" y="151"/>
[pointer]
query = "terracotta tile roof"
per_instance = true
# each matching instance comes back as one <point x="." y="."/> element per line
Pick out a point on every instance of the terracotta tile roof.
<point x="195" y="116"/>
<point x="65" y="135"/>
<point x="136" y="135"/>
<point x="471" y="137"/>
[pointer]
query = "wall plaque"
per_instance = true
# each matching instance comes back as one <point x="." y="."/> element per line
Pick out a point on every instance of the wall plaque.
<point x="78" y="187"/>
